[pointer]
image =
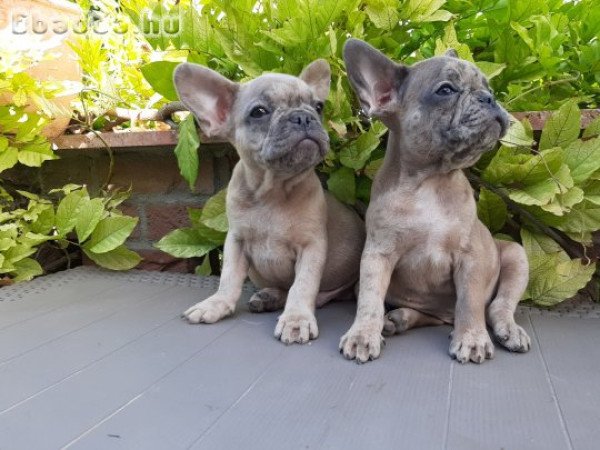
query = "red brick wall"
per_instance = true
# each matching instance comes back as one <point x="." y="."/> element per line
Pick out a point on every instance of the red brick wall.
<point x="160" y="196"/>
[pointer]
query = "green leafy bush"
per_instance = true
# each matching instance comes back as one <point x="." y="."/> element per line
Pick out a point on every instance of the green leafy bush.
<point x="538" y="55"/>
<point x="551" y="195"/>
<point x="94" y="224"/>
<point x="63" y="218"/>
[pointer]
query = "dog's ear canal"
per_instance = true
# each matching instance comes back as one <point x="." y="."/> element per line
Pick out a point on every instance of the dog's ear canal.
<point x="318" y="76"/>
<point x="375" y="78"/>
<point x="208" y="95"/>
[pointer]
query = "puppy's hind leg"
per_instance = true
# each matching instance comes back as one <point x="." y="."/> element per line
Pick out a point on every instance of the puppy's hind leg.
<point x="512" y="282"/>
<point x="267" y="300"/>
<point x="402" y="319"/>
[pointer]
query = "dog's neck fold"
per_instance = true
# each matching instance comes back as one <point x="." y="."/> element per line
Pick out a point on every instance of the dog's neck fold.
<point x="397" y="170"/>
<point x="264" y="184"/>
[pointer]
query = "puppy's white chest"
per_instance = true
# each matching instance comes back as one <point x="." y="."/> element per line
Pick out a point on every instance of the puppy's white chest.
<point x="270" y="253"/>
<point x="423" y="240"/>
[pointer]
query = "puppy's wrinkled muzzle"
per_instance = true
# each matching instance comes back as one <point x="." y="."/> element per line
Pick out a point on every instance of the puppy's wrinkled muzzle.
<point x="297" y="152"/>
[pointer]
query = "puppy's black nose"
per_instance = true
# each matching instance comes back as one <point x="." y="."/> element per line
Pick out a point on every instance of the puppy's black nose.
<point x="486" y="97"/>
<point x="301" y="118"/>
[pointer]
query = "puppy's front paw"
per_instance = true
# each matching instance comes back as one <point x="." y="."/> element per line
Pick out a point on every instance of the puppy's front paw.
<point x="362" y="342"/>
<point x="512" y="336"/>
<point x="210" y="310"/>
<point x="472" y="345"/>
<point x="297" y="327"/>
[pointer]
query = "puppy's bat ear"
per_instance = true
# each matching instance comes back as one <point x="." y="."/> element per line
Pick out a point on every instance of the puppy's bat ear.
<point x="208" y="95"/>
<point x="375" y="78"/>
<point x="451" y="53"/>
<point x="318" y="76"/>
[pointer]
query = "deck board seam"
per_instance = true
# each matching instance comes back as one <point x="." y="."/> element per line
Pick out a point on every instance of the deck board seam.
<point x="58" y="308"/>
<point x="87" y="366"/>
<point x="237" y="401"/>
<point x="149" y="299"/>
<point x="150" y="386"/>
<point x="561" y="418"/>
<point x="114" y="413"/>
<point x="448" y="405"/>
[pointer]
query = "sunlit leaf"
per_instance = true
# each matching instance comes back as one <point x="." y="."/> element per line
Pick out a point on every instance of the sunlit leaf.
<point x="187" y="150"/>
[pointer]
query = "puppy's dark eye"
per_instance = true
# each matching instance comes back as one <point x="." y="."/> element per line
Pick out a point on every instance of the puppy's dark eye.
<point x="319" y="107"/>
<point x="258" y="112"/>
<point x="446" y="89"/>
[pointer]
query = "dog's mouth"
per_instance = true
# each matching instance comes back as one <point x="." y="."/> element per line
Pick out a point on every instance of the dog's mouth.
<point x="299" y="155"/>
<point x="309" y="144"/>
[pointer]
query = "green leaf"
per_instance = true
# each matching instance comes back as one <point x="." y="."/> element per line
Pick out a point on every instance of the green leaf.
<point x="29" y="195"/>
<point x="518" y="135"/>
<point x="195" y="214"/>
<point x="20" y="98"/>
<point x="119" y="258"/>
<point x="214" y="214"/>
<point x="373" y="167"/>
<point x="383" y="13"/>
<point x="26" y="269"/>
<point x="564" y="202"/>
<point x="553" y="276"/>
<point x="34" y="154"/>
<point x="67" y="210"/>
<point x="18" y="252"/>
<point x="110" y="233"/>
<point x="522" y="32"/>
<point x="160" y="76"/>
<point x="117" y="197"/>
<point x="186" y="243"/>
<point x="543" y="192"/>
<point x="450" y="41"/>
<point x="66" y="189"/>
<point x="203" y="269"/>
<point x="359" y="151"/>
<point x="6" y="243"/>
<point x="423" y="11"/>
<point x="583" y="158"/>
<point x="8" y="158"/>
<point x="583" y="218"/>
<point x="363" y="188"/>
<point x="490" y="69"/>
<point x="491" y="210"/>
<point x="593" y="129"/>
<point x="592" y="192"/>
<point x="510" y="166"/>
<point x="187" y="150"/>
<point x="342" y="184"/>
<point x="441" y="15"/>
<point x="89" y="214"/>
<point x="530" y="179"/>
<point x="563" y="127"/>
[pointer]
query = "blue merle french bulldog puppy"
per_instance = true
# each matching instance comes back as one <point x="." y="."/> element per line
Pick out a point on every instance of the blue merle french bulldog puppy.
<point x="427" y="255"/>
<point x="298" y="244"/>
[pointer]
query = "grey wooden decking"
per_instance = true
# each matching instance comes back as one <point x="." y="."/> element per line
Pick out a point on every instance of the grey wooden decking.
<point x="97" y="360"/>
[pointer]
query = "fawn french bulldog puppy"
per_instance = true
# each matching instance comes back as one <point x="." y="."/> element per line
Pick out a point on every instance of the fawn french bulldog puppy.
<point x="298" y="244"/>
<point x="426" y="253"/>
